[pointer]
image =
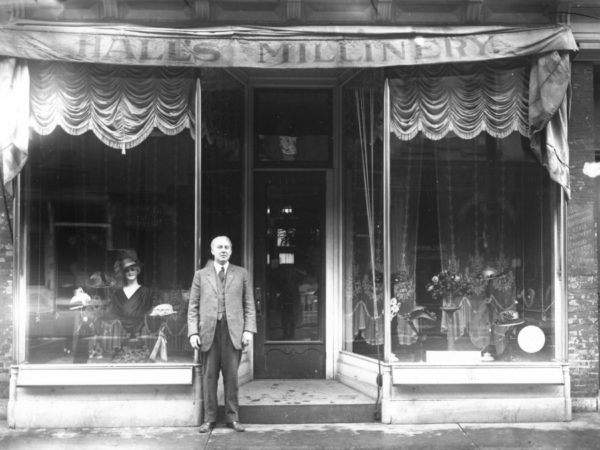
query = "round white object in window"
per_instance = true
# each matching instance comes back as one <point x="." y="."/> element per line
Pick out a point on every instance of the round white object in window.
<point x="531" y="339"/>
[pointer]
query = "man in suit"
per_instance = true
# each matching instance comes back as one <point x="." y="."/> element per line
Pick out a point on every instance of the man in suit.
<point x="221" y="321"/>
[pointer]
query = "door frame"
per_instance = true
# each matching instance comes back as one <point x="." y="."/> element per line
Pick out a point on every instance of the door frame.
<point x="254" y="79"/>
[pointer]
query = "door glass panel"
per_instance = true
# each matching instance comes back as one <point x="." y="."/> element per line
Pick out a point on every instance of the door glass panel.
<point x="293" y="275"/>
<point x="293" y="127"/>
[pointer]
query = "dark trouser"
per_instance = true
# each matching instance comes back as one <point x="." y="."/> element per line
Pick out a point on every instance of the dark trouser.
<point x="221" y="357"/>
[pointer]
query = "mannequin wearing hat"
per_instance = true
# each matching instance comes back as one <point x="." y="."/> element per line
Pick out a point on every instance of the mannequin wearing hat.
<point x="133" y="301"/>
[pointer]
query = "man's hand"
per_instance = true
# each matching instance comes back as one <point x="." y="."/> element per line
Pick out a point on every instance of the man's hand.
<point x="246" y="339"/>
<point x="195" y="341"/>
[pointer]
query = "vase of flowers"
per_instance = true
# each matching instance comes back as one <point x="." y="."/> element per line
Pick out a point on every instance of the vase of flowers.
<point x="450" y="287"/>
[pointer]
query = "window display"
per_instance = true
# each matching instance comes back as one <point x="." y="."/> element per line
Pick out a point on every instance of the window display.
<point x="485" y="271"/>
<point x="109" y="238"/>
<point x="471" y="238"/>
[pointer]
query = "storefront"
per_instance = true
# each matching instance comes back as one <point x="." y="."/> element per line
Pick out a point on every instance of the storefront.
<point x="397" y="193"/>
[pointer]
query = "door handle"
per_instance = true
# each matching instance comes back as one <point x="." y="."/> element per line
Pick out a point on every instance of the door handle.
<point x="258" y="300"/>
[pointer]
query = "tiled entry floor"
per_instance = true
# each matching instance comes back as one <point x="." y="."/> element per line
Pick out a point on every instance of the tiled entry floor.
<point x="304" y="401"/>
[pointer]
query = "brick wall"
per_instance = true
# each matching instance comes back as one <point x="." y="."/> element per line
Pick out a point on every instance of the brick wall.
<point x="582" y="261"/>
<point x="6" y="274"/>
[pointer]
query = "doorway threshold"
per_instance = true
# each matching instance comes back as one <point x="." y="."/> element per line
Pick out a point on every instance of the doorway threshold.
<point x="286" y="401"/>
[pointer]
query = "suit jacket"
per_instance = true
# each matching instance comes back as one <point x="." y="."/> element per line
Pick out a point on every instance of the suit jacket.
<point x="239" y="305"/>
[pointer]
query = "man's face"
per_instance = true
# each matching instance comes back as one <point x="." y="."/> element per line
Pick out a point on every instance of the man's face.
<point x="221" y="250"/>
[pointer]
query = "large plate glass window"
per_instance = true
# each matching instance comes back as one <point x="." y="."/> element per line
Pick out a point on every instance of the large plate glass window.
<point x="471" y="239"/>
<point x="89" y="211"/>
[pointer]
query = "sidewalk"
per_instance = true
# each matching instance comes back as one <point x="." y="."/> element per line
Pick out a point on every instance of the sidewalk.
<point x="581" y="433"/>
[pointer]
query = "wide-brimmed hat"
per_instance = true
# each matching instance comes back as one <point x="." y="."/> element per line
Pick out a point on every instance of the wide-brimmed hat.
<point x="165" y="309"/>
<point x="80" y="299"/>
<point x="129" y="262"/>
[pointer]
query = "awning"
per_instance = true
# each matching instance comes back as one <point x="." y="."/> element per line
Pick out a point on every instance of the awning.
<point x="271" y="47"/>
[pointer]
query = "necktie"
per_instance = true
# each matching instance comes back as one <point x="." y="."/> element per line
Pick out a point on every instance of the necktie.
<point x="222" y="275"/>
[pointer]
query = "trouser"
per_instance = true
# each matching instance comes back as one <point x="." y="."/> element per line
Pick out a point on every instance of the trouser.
<point x="221" y="357"/>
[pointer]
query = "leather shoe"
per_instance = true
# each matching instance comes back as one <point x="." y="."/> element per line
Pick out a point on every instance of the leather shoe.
<point x="236" y="426"/>
<point x="206" y="427"/>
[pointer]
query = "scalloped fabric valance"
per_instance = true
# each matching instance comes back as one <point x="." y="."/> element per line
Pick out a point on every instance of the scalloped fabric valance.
<point x="465" y="100"/>
<point x="528" y="96"/>
<point x="121" y="105"/>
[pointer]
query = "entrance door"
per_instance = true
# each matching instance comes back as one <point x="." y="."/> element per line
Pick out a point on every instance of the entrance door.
<point x="289" y="274"/>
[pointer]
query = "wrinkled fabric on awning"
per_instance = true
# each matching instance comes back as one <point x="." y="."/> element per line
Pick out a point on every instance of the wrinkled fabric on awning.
<point x="14" y="116"/>
<point x="549" y="104"/>
<point x="272" y="47"/>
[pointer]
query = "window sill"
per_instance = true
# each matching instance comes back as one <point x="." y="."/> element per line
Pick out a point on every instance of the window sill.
<point x="484" y="373"/>
<point x="106" y="375"/>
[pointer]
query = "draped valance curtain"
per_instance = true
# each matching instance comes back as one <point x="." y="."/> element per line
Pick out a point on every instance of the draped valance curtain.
<point x="465" y="100"/>
<point x="121" y="105"/>
<point x="530" y="96"/>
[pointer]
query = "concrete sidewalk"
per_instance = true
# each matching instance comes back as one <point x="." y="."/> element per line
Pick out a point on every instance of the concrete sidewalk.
<point x="581" y="433"/>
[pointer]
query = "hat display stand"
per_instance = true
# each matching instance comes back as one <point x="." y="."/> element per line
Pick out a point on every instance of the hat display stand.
<point x="451" y="306"/>
<point x="163" y="311"/>
<point x="505" y="323"/>
<point x="90" y="302"/>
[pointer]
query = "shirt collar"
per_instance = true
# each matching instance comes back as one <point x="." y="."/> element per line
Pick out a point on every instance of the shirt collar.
<point x="218" y="266"/>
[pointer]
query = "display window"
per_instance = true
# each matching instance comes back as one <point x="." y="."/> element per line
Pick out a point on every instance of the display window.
<point x="109" y="250"/>
<point x="109" y="236"/>
<point x="471" y="248"/>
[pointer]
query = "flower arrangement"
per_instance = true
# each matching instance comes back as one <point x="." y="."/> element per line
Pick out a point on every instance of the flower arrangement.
<point x="448" y="284"/>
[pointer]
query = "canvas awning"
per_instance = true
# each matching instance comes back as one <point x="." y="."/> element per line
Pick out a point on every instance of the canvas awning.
<point x="132" y="48"/>
<point x="281" y="48"/>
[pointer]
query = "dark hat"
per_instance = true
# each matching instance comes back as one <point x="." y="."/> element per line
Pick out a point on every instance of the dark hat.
<point x="129" y="262"/>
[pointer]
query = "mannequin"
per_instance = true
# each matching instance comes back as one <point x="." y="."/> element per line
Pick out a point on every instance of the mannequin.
<point x="131" y="303"/>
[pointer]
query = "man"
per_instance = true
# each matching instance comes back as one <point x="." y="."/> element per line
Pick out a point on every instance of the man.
<point x="221" y="321"/>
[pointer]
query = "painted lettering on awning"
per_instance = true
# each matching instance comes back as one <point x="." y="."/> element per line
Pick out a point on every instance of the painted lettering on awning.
<point x="331" y="50"/>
